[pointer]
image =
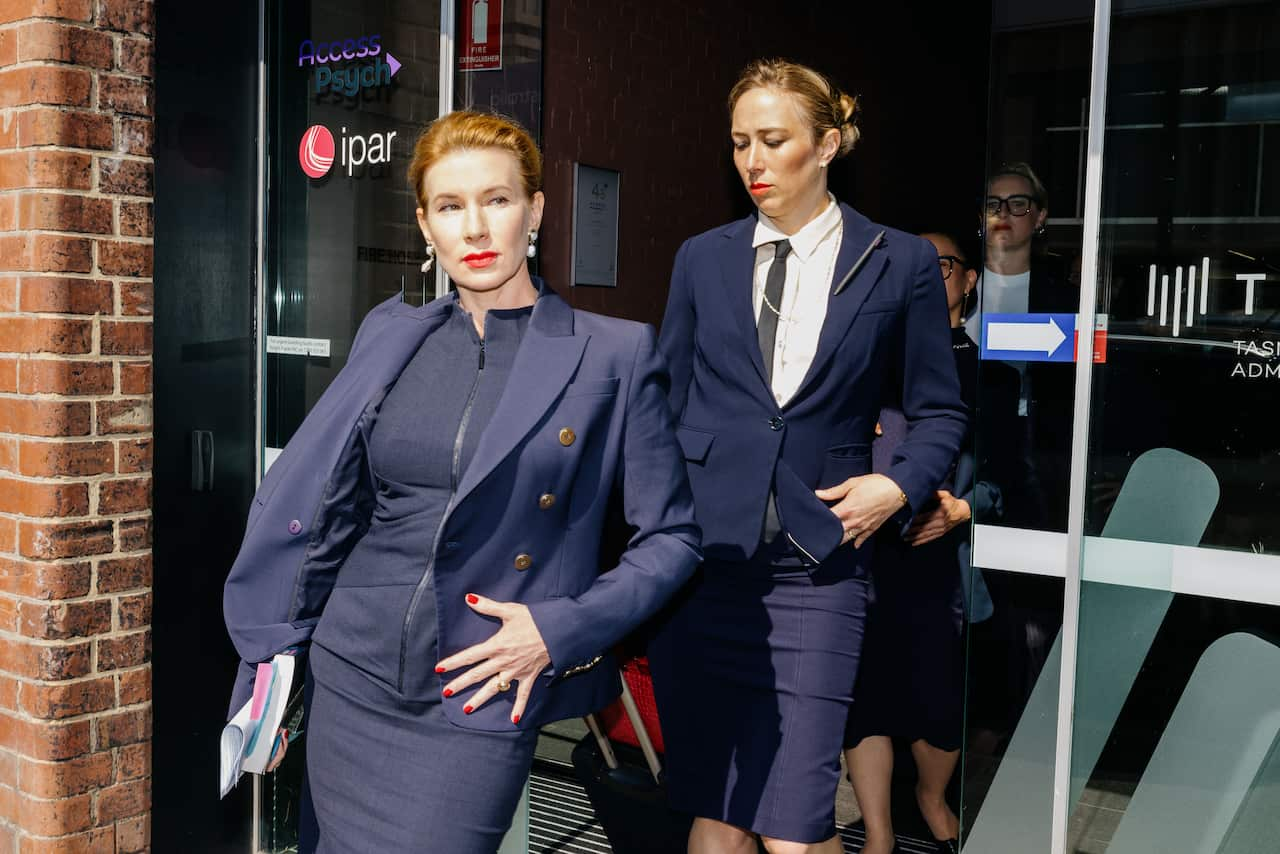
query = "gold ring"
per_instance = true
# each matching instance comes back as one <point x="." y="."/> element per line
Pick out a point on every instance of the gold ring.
<point x="504" y="685"/>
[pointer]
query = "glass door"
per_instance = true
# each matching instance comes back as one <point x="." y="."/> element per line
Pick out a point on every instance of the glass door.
<point x="349" y="86"/>
<point x="1026" y="226"/>
<point x="1175" y="743"/>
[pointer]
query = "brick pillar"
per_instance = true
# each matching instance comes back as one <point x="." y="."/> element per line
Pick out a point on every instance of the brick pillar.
<point x="76" y="141"/>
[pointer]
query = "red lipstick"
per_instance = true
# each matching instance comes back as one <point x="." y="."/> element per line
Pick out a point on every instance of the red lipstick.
<point x="757" y="188"/>
<point x="479" y="260"/>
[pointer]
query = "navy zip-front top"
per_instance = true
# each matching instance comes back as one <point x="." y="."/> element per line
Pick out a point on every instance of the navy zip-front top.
<point x="381" y="616"/>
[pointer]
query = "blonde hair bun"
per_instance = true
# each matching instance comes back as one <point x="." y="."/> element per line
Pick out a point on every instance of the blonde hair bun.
<point x="850" y="111"/>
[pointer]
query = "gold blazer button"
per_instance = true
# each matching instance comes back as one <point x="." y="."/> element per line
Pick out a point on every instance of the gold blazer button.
<point x="523" y="562"/>
<point x="546" y="502"/>
<point x="567" y="436"/>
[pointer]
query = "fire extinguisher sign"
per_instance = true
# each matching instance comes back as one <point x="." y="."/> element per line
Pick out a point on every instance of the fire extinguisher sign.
<point x="481" y="30"/>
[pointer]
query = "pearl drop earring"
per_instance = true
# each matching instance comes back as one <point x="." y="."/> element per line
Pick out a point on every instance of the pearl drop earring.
<point x="431" y="256"/>
<point x="533" y="244"/>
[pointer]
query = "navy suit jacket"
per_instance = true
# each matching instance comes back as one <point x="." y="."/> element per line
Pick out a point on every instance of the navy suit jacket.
<point x="888" y="324"/>
<point x="601" y="377"/>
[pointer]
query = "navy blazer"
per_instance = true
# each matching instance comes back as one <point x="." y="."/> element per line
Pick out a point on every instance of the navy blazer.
<point x="601" y="377"/>
<point x="888" y="324"/>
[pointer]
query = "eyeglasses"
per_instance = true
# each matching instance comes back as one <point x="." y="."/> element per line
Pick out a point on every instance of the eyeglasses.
<point x="948" y="263"/>
<point x="1018" y="204"/>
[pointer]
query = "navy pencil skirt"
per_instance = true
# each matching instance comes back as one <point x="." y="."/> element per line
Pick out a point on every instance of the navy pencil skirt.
<point x="911" y="682"/>
<point x="754" y="674"/>
<point x="392" y="776"/>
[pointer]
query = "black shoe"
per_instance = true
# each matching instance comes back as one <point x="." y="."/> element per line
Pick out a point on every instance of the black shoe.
<point x="947" y="846"/>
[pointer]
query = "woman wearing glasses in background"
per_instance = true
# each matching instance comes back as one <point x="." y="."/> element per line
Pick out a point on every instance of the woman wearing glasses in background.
<point x="1015" y="211"/>
<point x="1020" y="276"/>
<point x="911" y="682"/>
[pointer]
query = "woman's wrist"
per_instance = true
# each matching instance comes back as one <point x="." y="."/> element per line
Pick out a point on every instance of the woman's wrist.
<point x="902" y="495"/>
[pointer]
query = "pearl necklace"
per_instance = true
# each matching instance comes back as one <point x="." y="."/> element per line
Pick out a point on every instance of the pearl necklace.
<point x="831" y="272"/>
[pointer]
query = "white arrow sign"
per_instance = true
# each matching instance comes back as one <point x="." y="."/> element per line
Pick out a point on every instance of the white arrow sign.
<point x="1025" y="337"/>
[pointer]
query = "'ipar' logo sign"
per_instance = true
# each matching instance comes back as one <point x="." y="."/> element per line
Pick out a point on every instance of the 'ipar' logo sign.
<point x="316" y="150"/>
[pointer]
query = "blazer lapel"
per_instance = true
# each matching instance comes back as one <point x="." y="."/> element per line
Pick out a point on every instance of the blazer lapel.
<point x="843" y="308"/>
<point x="546" y="361"/>
<point x="737" y="272"/>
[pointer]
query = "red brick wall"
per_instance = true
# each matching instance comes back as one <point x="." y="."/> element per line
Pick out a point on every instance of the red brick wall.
<point x="75" y="424"/>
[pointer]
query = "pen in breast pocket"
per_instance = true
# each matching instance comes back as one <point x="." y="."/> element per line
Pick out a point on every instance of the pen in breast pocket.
<point x="857" y="265"/>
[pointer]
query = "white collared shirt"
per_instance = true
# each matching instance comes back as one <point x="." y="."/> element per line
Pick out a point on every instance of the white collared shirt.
<point x="810" y="269"/>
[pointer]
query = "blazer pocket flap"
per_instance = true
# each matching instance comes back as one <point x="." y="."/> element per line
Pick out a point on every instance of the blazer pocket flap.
<point x="695" y="443"/>
<point x="877" y="306"/>
<point x="837" y="469"/>
<point x="850" y="451"/>
<point x="608" y="385"/>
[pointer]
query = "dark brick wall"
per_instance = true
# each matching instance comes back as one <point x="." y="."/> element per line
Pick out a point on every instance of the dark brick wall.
<point x="641" y="87"/>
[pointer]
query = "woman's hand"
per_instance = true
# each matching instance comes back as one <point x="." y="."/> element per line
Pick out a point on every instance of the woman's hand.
<point x="864" y="504"/>
<point x="276" y="758"/>
<point x="927" y="527"/>
<point x="514" y="656"/>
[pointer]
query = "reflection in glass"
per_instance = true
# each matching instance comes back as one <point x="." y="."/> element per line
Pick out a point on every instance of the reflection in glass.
<point x="349" y="86"/>
<point x="1177" y="716"/>
<point x="1028" y="217"/>
<point x="343" y="242"/>
<point x="1184" y="198"/>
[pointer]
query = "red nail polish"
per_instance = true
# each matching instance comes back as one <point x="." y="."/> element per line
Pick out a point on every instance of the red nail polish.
<point x="515" y="719"/>
<point x="439" y="669"/>
<point x="466" y="710"/>
<point x="472" y="598"/>
<point x="448" y="693"/>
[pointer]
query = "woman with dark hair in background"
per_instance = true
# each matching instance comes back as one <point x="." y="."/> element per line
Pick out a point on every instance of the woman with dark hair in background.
<point x="783" y="331"/>
<point x="911" y="680"/>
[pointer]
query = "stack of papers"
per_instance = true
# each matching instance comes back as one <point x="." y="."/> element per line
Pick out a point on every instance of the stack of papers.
<point x="249" y="740"/>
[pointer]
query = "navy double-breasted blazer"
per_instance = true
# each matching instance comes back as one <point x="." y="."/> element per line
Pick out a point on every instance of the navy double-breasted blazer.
<point x="888" y="324"/>
<point x="602" y="379"/>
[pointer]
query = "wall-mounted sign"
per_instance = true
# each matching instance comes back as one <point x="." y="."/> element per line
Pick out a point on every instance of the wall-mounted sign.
<point x="316" y="150"/>
<point x="595" y="226"/>
<point x="1029" y="337"/>
<point x="480" y="48"/>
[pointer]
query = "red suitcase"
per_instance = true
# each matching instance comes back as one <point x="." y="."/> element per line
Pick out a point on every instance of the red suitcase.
<point x="617" y="726"/>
